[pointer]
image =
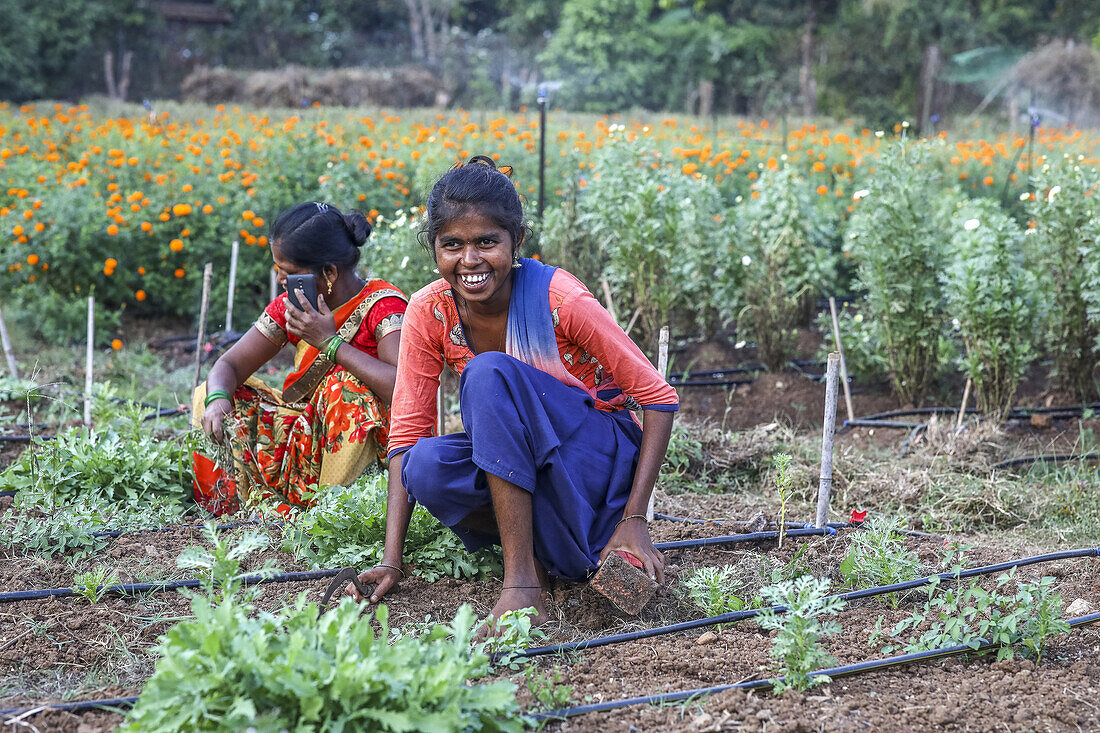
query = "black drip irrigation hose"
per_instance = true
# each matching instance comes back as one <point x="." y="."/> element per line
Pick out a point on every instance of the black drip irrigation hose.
<point x="131" y="589"/>
<point x="847" y="670"/>
<point x="719" y="378"/>
<point x="166" y="412"/>
<point x="1058" y="458"/>
<point x="671" y="518"/>
<point x="885" y="419"/>
<point x="218" y="528"/>
<point x="134" y="588"/>
<point x="735" y="616"/>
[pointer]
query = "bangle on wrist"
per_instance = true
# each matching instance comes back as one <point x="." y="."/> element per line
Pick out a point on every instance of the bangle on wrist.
<point x="332" y="346"/>
<point x="218" y="394"/>
<point x="391" y="567"/>
<point x="632" y="516"/>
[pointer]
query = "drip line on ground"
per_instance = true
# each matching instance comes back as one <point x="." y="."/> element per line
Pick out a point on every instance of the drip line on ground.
<point x="128" y="589"/>
<point x="735" y="616"/>
<point x="847" y="670"/>
<point x="1055" y="458"/>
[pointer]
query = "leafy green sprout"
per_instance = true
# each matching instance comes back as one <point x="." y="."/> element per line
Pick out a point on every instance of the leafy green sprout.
<point x="547" y="689"/>
<point x="797" y="644"/>
<point x="91" y="585"/>
<point x="715" y="590"/>
<point x="221" y="563"/>
<point x="878" y="556"/>
<point x="784" y="482"/>
<point x="513" y="632"/>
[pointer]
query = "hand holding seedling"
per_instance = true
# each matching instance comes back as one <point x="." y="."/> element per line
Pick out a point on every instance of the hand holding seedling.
<point x="632" y="535"/>
<point x="312" y="325"/>
<point x="213" y="419"/>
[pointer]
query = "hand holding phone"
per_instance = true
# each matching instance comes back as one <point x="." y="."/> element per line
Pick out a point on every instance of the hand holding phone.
<point x="307" y="284"/>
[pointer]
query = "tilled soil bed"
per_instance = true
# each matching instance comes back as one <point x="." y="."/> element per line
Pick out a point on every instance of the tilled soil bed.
<point x="65" y="647"/>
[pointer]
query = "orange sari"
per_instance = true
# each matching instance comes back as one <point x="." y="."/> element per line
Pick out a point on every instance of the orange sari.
<point x="324" y="428"/>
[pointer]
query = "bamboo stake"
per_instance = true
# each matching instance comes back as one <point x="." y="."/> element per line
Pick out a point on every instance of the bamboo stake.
<point x="633" y="320"/>
<point x="843" y="367"/>
<point x="207" y="275"/>
<point x="89" y="361"/>
<point x="9" y="354"/>
<point x="440" y="418"/>
<point x="662" y="367"/>
<point x="232" y="286"/>
<point x="607" y="299"/>
<point x="962" y="407"/>
<point x="273" y="283"/>
<point x="825" y="485"/>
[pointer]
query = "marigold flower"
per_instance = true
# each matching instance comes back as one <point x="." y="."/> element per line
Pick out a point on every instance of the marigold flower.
<point x="112" y="229"/>
<point x="32" y="259"/>
<point x="179" y="272"/>
<point x="257" y="222"/>
<point x="140" y="295"/>
<point x="248" y="214"/>
<point x="181" y="209"/>
<point x="116" y="344"/>
<point x="175" y="245"/>
<point x="146" y="226"/>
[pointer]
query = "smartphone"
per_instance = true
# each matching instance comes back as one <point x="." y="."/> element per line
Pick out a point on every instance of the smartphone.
<point x="305" y="283"/>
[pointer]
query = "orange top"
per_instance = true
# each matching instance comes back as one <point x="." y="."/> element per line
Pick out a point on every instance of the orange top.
<point x="598" y="357"/>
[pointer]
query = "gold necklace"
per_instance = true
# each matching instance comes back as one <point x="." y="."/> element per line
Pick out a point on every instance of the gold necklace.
<point x="470" y="335"/>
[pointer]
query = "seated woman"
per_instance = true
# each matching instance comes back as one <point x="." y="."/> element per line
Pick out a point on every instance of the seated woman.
<point x="331" y="419"/>
<point x="552" y="464"/>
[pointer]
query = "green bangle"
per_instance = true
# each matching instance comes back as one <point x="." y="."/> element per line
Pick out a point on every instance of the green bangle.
<point x="332" y="347"/>
<point x="218" y="394"/>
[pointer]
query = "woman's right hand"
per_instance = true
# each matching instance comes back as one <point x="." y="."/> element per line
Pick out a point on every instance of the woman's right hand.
<point x="384" y="579"/>
<point x="214" y="417"/>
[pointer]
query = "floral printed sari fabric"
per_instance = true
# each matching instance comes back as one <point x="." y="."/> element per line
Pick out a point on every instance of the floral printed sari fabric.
<point x="283" y="451"/>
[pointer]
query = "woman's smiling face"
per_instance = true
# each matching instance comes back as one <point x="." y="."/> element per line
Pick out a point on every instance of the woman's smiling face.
<point x="474" y="254"/>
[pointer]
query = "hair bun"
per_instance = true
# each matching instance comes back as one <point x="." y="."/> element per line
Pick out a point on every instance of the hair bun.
<point x="359" y="227"/>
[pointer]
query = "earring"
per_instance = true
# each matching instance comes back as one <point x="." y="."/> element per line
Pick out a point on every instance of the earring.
<point x="516" y="264"/>
<point x="329" y="287"/>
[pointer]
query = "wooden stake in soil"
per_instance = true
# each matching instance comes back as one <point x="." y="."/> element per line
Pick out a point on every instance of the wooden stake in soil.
<point x="825" y="486"/>
<point x="274" y="284"/>
<point x="662" y="367"/>
<point x="207" y="275"/>
<point x="440" y="418"/>
<point x="232" y="286"/>
<point x="962" y="407"/>
<point x="843" y="368"/>
<point x="8" y="353"/>
<point x="88" y="362"/>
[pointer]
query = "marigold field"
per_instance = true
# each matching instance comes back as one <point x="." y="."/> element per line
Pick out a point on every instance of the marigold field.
<point x="130" y="206"/>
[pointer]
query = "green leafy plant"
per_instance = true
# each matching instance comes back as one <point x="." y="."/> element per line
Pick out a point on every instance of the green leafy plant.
<point x="511" y="633"/>
<point x="1030" y="617"/>
<point x="895" y="237"/>
<point x="878" y="556"/>
<point x="347" y="526"/>
<point x="790" y="257"/>
<point x="547" y="687"/>
<point x="91" y="585"/>
<point x="221" y="561"/>
<point x="784" y="484"/>
<point x="715" y="590"/>
<point x="1063" y="247"/>
<point x="797" y="644"/>
<point x="111" y="464"/>
<point x="994" y="299"/>
<point x="228" y="669"/>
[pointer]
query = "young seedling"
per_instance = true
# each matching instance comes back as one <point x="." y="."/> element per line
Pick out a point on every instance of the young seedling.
<point x="222" y="562"/>
<point x="713" y="590"/>
<point x="513" y="632"/>
<point x="91" y="585"/>
<point x="878" y="556"/>
<point x="781" y="464"/>
<point x="797" y="645"/>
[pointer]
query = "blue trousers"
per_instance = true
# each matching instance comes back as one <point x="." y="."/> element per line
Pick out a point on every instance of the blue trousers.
<point x="526" y="427"/>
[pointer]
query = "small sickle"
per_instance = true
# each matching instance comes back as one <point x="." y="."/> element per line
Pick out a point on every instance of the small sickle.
<point x="347" y="575"/>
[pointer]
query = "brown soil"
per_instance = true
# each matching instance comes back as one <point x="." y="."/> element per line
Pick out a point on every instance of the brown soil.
<point x="59" y="648"/>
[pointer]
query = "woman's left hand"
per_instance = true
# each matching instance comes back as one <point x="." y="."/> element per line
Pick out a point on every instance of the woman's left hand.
<point x="633" y="536"/>
<point x="312" y="325"/>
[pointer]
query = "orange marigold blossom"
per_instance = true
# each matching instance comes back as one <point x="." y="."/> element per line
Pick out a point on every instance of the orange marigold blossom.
<point x="32" y="259"/>
<point x="116" y="344"/>
<point x="140" y="295"/>
<point x="175" y="245"/>
<point x="181" y="209"/>
<point x="180" y="272"/>
<point x="112" y="229"/>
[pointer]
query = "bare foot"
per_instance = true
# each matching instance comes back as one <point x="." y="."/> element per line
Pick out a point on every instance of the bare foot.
<point x="514" y="599"/>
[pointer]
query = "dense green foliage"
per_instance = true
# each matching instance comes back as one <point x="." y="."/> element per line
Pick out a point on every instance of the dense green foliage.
<point x="995" y="300"/>
<point x="895" y="237"/>
<point x="234" y="668"/>
<point x="347" y="526"/>
<point x="797" y="645"/>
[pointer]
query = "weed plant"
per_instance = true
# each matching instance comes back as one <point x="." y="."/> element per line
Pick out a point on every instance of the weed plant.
<point x="547" y="687"/>
<point x="878" y="556"/>
<point x="784" y="483"/>
<point x="91" y="585"/>
<point x="797" y="644"/>
<point x="231" y="668"/>
<point x="347" y="526"/>
<point x="1026" y="619"/>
